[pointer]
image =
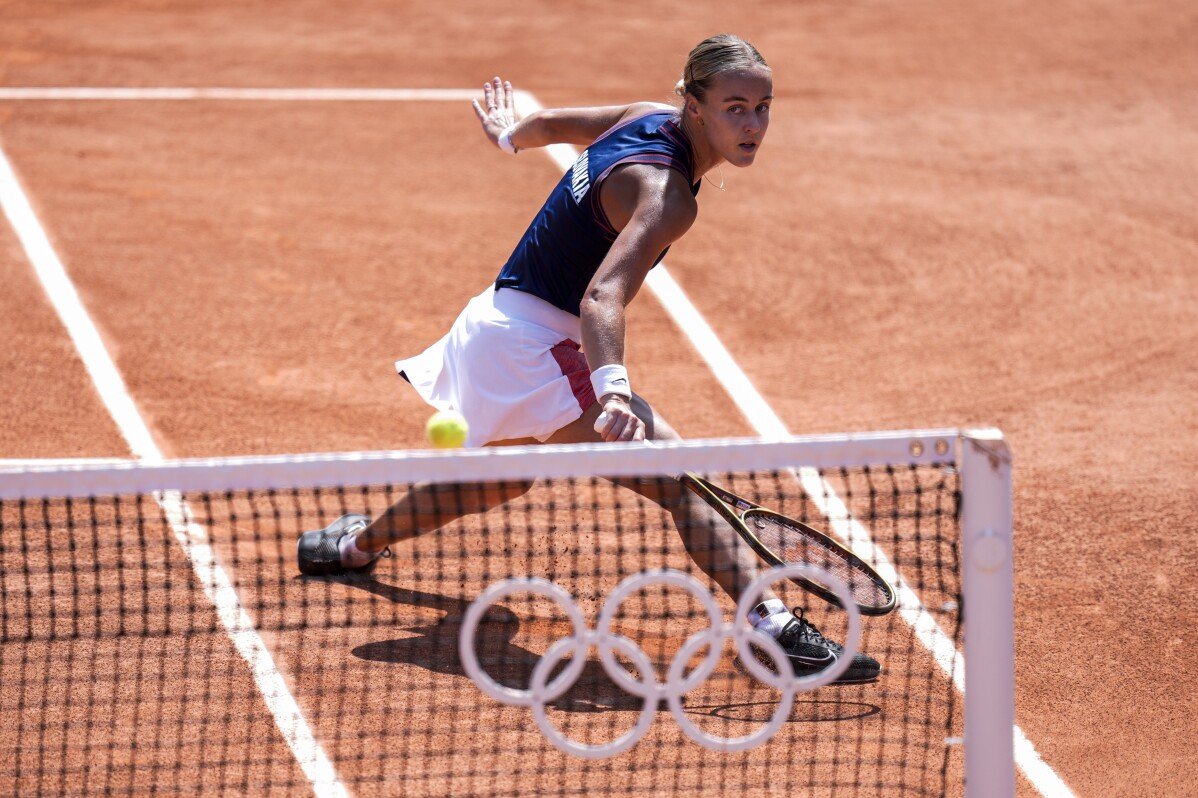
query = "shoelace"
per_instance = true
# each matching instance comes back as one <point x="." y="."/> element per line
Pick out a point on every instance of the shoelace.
<point x="809" y="634"/>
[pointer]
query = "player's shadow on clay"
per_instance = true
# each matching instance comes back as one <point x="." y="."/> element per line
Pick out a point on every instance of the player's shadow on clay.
<point x="434" y="647"/>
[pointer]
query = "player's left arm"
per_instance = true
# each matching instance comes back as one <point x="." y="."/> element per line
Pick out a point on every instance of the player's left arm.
<point x="497" y="113"/>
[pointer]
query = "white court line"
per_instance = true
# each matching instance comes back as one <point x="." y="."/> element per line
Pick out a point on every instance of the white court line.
<point x="192" y="537"/>
<point x="230" y="93"/>
<point x="768" y="424"/>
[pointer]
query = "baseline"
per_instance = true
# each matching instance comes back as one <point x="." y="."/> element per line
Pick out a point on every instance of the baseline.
<point x="232" y="93"/>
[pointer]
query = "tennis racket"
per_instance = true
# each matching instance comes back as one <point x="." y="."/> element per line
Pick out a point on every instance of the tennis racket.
<point x="780" y="540"/>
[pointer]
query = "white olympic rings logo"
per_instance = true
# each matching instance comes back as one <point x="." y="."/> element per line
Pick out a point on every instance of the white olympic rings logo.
<point x="677" y="682"/>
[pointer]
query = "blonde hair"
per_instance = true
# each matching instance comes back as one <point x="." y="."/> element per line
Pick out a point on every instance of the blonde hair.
<point x="712" y="56"/>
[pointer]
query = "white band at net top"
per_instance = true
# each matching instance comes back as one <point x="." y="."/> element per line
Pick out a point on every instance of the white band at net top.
<point x="32" y="478"/>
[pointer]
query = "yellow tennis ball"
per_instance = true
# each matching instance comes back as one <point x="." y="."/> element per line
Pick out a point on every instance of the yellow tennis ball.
<point x="446" y="429"/>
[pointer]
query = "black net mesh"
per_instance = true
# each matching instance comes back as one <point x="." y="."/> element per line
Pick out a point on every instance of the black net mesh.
<point x="144" y="638"/>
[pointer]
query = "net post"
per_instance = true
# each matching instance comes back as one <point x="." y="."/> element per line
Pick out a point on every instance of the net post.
<point x="988" y="585"/>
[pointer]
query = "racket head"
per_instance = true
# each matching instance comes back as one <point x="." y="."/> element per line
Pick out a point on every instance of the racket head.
<point x="781" y="540"/>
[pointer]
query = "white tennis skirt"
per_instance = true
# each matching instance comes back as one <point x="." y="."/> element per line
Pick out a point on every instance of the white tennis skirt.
<point x="511" y="364"/>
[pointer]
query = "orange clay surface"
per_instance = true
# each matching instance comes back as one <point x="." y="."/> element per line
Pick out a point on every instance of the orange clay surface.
<point x="964" y="213"/>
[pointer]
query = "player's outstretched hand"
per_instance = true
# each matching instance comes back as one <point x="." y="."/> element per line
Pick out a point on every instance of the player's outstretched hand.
<point x="498" y="108"/>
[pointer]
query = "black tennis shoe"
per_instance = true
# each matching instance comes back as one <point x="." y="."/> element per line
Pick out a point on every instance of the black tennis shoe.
<point x="319" y="552"/>
<point x="810" y="652"/>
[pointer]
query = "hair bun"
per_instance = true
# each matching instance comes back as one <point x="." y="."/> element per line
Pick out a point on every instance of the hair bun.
<point x="680" y="87"/>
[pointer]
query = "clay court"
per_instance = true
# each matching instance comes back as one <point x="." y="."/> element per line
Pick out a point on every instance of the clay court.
<point x="964" y="214"/>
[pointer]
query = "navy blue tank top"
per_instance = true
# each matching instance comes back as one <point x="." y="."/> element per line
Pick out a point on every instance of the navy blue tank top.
<point x="562" y="249"/>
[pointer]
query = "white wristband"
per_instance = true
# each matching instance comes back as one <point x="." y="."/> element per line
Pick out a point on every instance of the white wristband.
<point x="612" y="378"/>
<point x="505" y="139"/>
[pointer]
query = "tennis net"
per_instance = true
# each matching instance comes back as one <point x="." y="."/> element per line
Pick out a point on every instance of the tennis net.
<point x="156" y="635"/>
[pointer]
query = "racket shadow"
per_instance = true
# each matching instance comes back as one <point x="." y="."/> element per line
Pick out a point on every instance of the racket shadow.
<point x="804" y="711"/>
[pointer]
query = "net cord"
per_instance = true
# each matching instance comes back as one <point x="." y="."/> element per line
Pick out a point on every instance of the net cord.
<point x="283" y="472"/>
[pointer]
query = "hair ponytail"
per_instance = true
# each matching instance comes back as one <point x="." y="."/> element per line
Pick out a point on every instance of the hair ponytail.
<point x="712" y="56"/>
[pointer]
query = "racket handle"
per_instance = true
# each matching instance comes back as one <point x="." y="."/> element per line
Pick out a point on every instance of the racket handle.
<point x="601" y="422"/>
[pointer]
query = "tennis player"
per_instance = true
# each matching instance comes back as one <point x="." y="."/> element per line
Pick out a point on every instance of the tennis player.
<point x="539" y="354"/>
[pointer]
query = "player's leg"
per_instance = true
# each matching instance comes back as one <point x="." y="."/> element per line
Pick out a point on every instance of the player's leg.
<point x="429" y="506"/>
<point x="354" y="543"/>
<point x="522" y="350"/>
<point x="713" y="545"/>
<point x="721" y="553"/>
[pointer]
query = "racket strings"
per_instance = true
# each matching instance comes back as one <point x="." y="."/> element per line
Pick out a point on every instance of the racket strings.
<point x="792" y="545"/>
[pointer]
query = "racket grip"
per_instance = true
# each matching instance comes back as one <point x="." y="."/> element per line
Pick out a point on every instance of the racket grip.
<point x="601" y="422"/>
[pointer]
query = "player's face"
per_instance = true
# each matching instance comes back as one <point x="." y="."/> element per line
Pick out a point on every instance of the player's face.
<point x="736" y="112"/>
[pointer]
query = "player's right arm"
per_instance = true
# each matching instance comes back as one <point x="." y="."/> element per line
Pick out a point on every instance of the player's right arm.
<point x="653" y="206"/>
<point x="497" y="113"/>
